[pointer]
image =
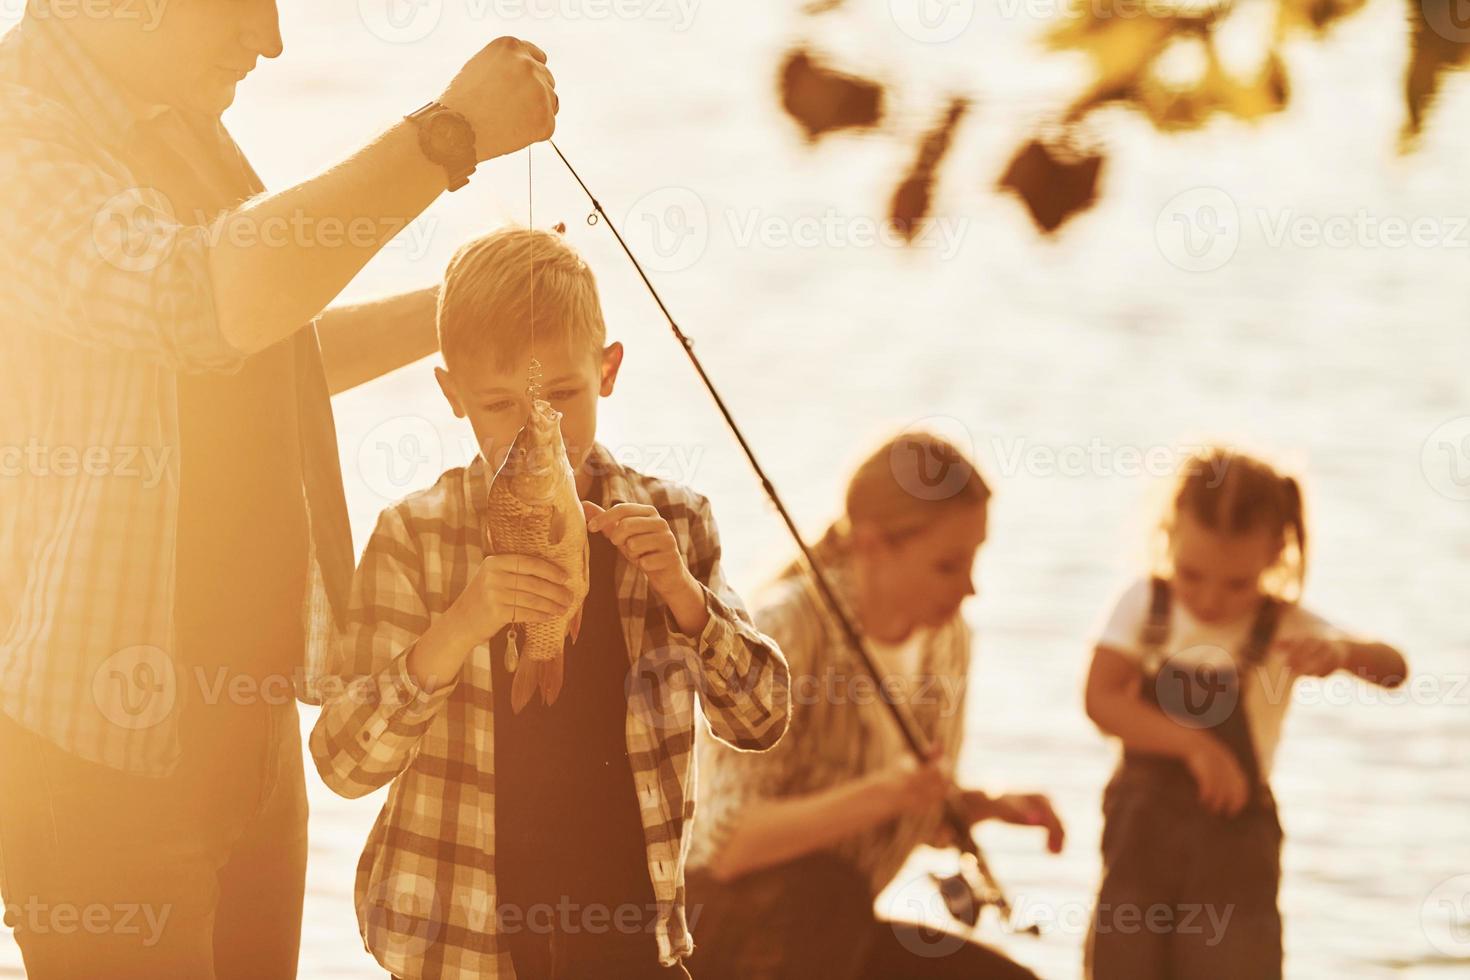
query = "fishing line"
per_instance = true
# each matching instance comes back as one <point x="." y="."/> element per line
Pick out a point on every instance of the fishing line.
<point x="911" y="732"/>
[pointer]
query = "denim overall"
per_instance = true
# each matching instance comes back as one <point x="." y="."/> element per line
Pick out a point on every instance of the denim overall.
<point x="1187" y="894"/>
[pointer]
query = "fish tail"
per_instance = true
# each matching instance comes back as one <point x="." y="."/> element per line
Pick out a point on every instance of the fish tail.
<point x="531" y="676"/>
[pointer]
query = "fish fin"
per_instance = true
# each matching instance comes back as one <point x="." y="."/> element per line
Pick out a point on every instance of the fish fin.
<point x="574" y="628"/>
<point x="558" y="528"/>
<point x="527" y="679"/>
<point x="553" y="672"/>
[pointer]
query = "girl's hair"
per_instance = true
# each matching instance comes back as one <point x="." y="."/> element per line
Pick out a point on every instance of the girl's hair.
<point x="487" y="301"/>
<point x="903" y="487"/>
<point x="1232" y="493"/>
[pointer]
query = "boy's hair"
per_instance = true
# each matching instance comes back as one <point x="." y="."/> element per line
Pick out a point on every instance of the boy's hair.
<point x="486" y="304"/>
<point x="1232" y="493"/>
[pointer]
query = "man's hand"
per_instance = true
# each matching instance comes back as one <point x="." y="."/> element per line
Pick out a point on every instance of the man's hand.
<point x="644" y="538"/>
<point x="508" y="95"/>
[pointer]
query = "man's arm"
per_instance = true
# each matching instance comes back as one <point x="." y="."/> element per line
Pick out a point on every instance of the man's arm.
<point x="263" y="293"/>
<point x="367" y="340"/>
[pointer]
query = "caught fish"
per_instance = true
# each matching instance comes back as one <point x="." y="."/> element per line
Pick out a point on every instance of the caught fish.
<point x="534" y="510"/>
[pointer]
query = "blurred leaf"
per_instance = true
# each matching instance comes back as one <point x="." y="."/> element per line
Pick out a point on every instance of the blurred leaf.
<point x="912" y="199"/>
<point x="821" y="99"/>
<point x="1440" y="42"/>
<point x="1055" y="182"/>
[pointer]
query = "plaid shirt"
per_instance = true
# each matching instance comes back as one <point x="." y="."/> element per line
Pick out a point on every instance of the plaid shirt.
<point x="839" y="729"/>
<point x="108" y="299"/>
<point x="426" y="893"/>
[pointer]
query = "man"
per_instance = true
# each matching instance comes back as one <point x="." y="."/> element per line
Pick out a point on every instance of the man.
<point x="173" y="539"/>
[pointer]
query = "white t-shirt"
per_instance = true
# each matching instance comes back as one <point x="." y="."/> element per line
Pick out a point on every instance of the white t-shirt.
<point x="1267" y="691"/>
<point x="906" y="658"/>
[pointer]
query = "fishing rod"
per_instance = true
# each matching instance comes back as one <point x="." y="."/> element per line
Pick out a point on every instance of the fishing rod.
<point x="917" y="744"/>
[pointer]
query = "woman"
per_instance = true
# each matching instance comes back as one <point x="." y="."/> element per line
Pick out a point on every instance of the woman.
<point x="792" y="846"/>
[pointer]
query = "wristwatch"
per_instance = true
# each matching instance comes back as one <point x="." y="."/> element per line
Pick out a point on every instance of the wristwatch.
<point x="448" y="139"/>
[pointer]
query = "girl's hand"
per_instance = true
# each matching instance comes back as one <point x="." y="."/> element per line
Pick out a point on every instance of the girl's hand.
<point x="1314" y="656"/>
<point x="1223" y="788"/>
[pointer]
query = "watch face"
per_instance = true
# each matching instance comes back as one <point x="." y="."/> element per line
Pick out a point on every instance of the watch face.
<point x="450" y="135"/>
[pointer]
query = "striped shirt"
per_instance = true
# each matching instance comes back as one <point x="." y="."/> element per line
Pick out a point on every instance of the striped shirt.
<point x="108" y="301"/>
<point x="839" y="729"/>
<point x="426" y="892"/>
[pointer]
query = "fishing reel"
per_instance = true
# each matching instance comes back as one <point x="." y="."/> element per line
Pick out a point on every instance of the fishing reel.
<point x="970" y="890"/>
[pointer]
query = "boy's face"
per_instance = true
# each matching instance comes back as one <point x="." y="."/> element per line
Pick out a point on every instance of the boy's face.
<point x="494" y="398"/>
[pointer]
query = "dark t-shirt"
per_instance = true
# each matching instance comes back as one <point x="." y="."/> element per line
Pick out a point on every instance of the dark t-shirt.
<point x="243" y="535"/>
<point x="568" y="831"/>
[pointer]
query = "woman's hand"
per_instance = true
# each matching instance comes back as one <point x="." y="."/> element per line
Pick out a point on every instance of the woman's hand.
<point x="1022" y="809"/>
<point x="915" y="788"/>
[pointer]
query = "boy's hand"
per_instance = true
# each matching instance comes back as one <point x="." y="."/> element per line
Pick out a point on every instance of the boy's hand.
<point x="644" y="538"/>
<point x="509" y="589"/>
<point x="1314" y="656"/>
<point x="1223" y="788"/>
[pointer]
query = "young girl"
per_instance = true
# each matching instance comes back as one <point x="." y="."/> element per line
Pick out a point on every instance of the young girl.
<point x="792" y="846"/>
<point x="1193" y="674"/>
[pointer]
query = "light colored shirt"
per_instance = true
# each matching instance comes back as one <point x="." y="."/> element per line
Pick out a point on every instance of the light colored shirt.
<point x="108" y="300"/>
<point x="840" y="729"/>
<point x="1267" y="690"/>
<point x="426" y="892"/>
